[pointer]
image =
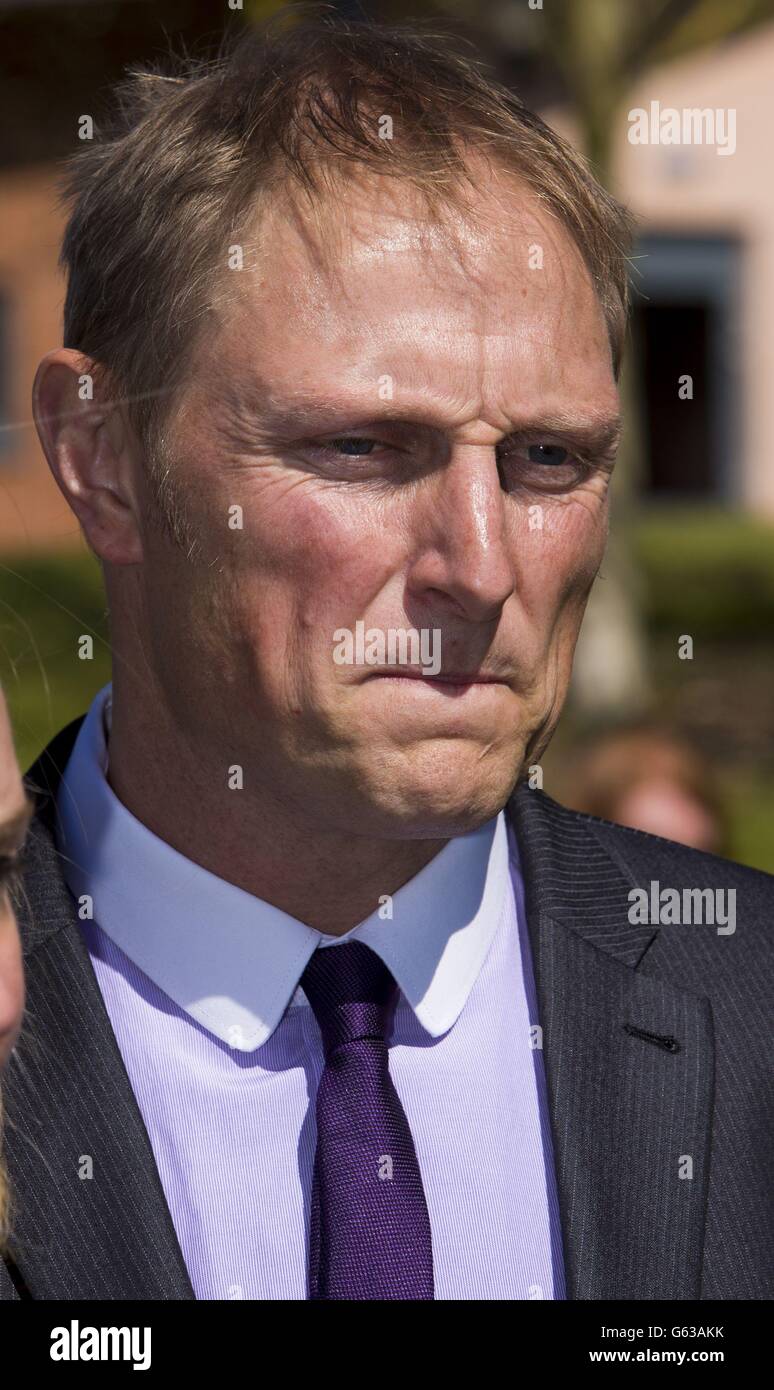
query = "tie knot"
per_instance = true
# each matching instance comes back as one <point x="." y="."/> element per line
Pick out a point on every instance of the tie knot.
<point x="351" y="991"/>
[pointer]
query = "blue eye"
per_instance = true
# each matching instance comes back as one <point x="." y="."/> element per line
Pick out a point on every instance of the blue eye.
<point x="360" y="445"/>
<point x="550" y="454"/>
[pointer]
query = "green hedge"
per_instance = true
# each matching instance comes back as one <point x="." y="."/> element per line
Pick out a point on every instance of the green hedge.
<point x="707" y="572"/>
<point x="47" y="602"/>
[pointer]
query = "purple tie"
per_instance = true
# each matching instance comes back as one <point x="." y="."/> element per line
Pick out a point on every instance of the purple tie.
<point x="370" y="1228"/>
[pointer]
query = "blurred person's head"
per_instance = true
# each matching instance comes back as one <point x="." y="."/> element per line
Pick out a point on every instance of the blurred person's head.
<point x="14" y="817"/>
<point x="352" y="318"/>
<point x="651" y="779"/>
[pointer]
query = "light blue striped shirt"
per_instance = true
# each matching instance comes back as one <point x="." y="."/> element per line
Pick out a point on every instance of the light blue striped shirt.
<point x="200" y="980"/>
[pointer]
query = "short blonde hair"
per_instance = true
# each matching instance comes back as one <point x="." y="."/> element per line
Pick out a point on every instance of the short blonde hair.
<point x="158" y="198"/>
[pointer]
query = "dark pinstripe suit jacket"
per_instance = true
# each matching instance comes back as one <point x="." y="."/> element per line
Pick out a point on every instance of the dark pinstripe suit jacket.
<point x="628" y="1109"/>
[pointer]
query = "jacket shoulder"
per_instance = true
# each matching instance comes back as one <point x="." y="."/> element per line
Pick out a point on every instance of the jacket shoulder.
<point x="642" y="849"/>
<point x="580" y="852"/>
<point x="655" y="865"/>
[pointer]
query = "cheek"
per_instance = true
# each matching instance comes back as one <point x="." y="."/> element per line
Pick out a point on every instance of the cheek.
<point x="559" y="548"/>
<point x="583" y="536"/>
<point x="322" y="560"/>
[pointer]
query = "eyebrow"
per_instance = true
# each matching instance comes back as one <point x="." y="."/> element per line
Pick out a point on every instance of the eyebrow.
<point x="14" y="829"/>
<point x="597" y="433"/>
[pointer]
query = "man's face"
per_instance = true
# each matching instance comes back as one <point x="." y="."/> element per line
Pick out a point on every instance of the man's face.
<point x="416" y="437"/>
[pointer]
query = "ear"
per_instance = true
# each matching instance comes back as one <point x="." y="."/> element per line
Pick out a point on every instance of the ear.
<point x="92" y="454"/>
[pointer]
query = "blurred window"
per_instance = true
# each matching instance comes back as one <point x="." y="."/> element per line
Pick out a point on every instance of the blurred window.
<point x="686" y="323"/>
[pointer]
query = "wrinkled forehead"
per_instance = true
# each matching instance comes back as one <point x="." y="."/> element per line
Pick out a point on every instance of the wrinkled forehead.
<point x="379" y="281"/>
<point x="489" y="241"/>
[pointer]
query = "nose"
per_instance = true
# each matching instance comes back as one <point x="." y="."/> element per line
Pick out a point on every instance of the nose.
<point x="462" y="551"/>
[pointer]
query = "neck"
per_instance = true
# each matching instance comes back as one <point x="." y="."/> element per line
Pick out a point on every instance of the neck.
<point x="330" y="881"/>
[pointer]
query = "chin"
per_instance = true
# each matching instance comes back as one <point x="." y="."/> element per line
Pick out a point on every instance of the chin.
<point x="442" y="793"/>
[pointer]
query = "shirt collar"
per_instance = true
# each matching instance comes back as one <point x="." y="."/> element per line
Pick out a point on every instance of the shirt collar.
<point x="233" y="961"/>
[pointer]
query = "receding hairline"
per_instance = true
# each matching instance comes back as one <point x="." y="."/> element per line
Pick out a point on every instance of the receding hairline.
<point x="324" y="221"/>
<point x="194" y="154"/>
<point x="484" y="173"/>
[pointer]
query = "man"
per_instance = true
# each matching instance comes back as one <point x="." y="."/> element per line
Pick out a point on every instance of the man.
<point x="324" y="1000"/>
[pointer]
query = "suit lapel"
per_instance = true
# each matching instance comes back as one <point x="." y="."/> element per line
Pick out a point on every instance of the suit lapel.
<point x="90" y="1219"/>
<point x="628" y="1116"/>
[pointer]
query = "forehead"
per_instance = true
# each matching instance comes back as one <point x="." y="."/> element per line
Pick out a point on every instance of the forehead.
<point x="489" y="298"/>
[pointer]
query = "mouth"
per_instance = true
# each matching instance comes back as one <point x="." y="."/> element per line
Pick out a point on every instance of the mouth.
<point x="447" y="680"/>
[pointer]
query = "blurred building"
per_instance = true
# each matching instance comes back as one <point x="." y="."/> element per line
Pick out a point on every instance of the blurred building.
<point x="706" y="280"/>
<point x="58" y="60"/>
<point x="33" y="512"/>
<point x="705" y="263"/>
